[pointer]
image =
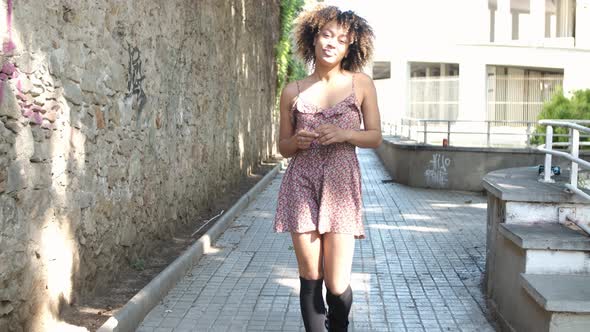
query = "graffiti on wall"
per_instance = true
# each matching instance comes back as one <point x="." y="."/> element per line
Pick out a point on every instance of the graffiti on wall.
<point x="7" y="48"/>
<point x="135" y="79"/>
<point x="8" y="45"/>
<point x="437" y="174"/>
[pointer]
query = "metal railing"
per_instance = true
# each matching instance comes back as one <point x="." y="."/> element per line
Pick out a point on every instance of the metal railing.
<point x="456" y="130"/>
<point x="575" y="127"/>
<point x="420" y="130"/>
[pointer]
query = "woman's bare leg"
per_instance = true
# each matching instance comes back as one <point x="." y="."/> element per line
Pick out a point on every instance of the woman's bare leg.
<point x="308" y="249"/>
<point x="338" y="253"/>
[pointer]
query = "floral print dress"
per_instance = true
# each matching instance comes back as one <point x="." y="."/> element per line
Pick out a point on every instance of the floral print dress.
<point x="321" y="188"/>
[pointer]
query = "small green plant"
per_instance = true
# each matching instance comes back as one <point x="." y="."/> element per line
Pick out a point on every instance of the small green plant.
<point x="138" y="264"/>
<point x="560" y="107"/>
<point x="289" y="68"/>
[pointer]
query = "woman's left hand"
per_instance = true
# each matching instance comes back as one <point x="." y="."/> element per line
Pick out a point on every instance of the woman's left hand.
<point x="330" y="133"/>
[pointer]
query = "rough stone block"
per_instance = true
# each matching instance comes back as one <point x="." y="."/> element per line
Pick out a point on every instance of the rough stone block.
<point x="24" y="144"/>
<point x="89" y="81"/>
<point x="100" y="123"/>
<point x="42" y="152"/>
<point x="28" y="63"/>
<point x="72" y="92"/>
<point x="17" y="176"/>
<point x="8" y="103"/>
<point x="56" y="60"/>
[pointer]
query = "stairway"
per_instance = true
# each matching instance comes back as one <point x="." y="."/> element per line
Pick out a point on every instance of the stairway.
<point x="537" y="270"/>
<point x="555" y="265"/>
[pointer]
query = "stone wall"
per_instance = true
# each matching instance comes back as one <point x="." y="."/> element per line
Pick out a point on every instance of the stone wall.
<point x="120" y="120"/>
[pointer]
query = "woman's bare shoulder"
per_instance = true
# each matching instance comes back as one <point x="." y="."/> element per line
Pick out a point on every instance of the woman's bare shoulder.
<point x="363" y="80"/>
<point x="290" y="89"/>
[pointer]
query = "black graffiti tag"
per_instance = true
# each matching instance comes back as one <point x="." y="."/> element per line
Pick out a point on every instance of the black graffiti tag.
<point x="135" y="78"/>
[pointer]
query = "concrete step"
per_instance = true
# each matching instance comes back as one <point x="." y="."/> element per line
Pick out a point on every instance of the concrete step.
<point x="563" y="302"/>
<point x="550" y="248"/>
<point x="559" y="293"/>
<point x="547" y="236"/>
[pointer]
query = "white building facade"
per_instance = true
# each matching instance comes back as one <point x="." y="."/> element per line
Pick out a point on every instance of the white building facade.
<point x="478" y="59"/>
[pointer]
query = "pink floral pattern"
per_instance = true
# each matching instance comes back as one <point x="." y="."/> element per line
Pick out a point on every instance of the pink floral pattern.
<point x="321" y="188"/>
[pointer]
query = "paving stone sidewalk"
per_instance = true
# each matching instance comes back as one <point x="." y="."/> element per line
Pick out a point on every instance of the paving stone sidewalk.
<point x="419" y="269"/>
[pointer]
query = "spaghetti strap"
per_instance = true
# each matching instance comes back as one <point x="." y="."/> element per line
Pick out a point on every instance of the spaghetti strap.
<point x="294" y="106"/>
<point x="353" y="82"/>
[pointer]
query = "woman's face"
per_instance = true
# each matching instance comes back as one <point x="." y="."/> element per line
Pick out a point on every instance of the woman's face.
<point x="331" y="44"/>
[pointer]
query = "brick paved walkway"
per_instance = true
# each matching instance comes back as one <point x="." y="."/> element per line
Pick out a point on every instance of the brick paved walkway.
<point x="419" y="269"/>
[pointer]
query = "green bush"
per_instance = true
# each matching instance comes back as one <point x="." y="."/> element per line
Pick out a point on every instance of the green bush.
<point x="289" y="68"/>
<point x="560" y="107"/>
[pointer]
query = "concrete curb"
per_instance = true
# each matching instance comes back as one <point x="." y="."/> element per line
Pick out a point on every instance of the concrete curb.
<point x="132" y="314"/>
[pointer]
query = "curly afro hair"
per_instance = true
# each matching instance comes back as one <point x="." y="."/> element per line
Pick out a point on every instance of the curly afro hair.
<point x="309" y="23"/>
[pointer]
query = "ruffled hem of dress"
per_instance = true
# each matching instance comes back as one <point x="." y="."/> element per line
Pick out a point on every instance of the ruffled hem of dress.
<point x="358" y="236"/>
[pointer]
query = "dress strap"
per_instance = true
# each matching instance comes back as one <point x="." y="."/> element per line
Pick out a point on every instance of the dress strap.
<point x="291" y="111"/>
<point x="353" y="82"/>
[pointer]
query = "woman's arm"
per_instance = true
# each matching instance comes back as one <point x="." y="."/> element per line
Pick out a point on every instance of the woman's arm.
<point x="370" y="137"/>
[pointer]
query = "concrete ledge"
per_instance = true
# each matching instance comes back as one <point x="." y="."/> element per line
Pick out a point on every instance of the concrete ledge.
<point x="132" y="314"/>
<point x="453" y="168"/>
<point x="545" y="236"/>
<point x="559" y="293"/>
<point x="521" y="184"/>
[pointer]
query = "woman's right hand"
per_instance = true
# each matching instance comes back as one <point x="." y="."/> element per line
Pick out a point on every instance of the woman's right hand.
<point x="303" y="138"/>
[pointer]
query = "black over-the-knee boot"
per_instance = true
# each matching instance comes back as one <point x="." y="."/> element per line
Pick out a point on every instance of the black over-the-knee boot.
<point x="311" y="300"/>
<point x="338" y="310"/>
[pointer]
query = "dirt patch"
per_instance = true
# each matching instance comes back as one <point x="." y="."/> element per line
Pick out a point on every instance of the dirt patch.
<point x="94" y="312"/>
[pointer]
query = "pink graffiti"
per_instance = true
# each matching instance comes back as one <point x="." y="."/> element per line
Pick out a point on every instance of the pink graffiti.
<point x="8" y="69"/>
<point x="8" y="46"/>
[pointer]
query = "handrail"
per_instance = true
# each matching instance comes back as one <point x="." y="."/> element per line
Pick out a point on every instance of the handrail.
<point x="468" y="121"/>
<point x="409" y="126"/>
<point x="420" y="129"/>
<point x="561" y="121"/>
<point x="572" y="124"/>
<point x="564" y="155"/>
<point x="573" y="156"/>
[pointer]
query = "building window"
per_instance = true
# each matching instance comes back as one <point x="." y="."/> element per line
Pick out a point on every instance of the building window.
<point x="518" y="93"/>
<point x="434" y="91"/>
<point x="381" y="70"/>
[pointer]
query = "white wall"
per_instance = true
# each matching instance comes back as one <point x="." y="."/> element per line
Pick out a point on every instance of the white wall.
<point x="583" y="24"/>
<point x="457" y="31"/>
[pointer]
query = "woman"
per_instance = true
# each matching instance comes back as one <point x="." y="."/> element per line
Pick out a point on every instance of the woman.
<point x="320" y="125"/>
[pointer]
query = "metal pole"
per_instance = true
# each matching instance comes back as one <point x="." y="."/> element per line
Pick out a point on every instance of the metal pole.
<point x="548" y="146"/>
<point x="449" y="132"/>
<point x="528" y="134"/>
<point x="425" y="132"/>
<point x="488" y="137"/>
<point x="575" y="151"/>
